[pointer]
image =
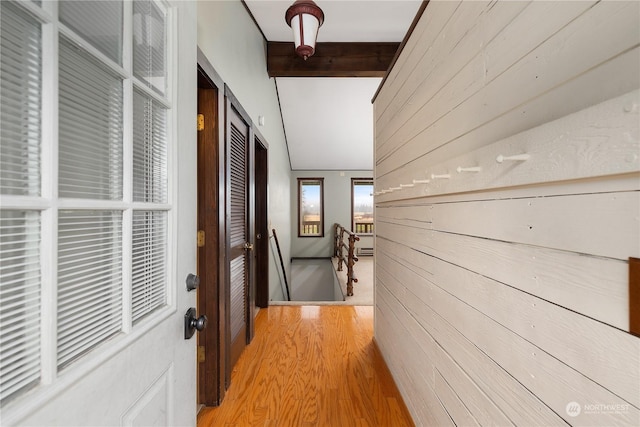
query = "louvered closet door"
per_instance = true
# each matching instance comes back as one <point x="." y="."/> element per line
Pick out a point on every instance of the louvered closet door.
<point x="238" y="259"/>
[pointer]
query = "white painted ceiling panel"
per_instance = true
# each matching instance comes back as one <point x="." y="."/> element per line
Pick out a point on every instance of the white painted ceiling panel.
<point x="329" y="122"/>
<point x="344" y="20"/>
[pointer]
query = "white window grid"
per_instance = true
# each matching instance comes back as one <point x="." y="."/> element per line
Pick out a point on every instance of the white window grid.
<point x="48" y="203"/>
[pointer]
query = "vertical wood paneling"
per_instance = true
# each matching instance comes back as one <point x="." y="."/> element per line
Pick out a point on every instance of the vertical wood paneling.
<point x="502" y="294"/>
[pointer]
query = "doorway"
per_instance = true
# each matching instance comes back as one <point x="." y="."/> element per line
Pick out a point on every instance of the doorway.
<point x="239" y="239"/>
<point x="211" y="226"/>
<point x="232" y="231"/>
<point x="262" y="222"/>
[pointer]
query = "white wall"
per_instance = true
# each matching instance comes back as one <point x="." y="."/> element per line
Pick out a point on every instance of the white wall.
<point x="235" y="47"/>
<point x="337" y="208"/>
<point x="502" y="294"/>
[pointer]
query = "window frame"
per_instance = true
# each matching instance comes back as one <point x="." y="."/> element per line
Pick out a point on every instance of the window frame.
<point x="315" y="181"/>
<point x="354" y="182"/>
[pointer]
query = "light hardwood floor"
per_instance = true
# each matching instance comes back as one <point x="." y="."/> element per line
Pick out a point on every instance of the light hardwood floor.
<point x="311" y="366"/>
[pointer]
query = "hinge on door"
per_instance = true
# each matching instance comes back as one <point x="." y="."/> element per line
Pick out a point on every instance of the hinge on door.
<point x="200" y="238"/>
<point x="200" y="121"/>
<point x="200" y="353"/>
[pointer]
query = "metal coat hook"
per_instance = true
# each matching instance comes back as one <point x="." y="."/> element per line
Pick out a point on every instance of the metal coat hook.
<point x="406" y="185"/>
<point x="395" y="188"/>
<point x="421" y="181"/>
<point x="515" y="158"/>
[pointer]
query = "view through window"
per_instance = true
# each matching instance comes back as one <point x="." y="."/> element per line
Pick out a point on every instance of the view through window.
<point x="310" y="207"/>
<point x="362" y="205"/>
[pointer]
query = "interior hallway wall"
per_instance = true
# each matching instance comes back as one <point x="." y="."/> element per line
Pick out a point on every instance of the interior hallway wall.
<point x="337" y="208"/>
<point x="235" y="47"/>
<point x="502" y="283"/>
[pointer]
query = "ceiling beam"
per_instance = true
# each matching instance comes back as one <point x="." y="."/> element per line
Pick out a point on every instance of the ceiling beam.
<point x="331" y="60"/>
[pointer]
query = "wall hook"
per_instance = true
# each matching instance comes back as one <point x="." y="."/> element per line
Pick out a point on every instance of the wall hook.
<point x="470" y="169"/>
<point x="515" y="158"/>
<point x="406" y="185"/>
<point x="421" y="181"/>
<point x="395" y="188"/>
<point x="443" y="176"/>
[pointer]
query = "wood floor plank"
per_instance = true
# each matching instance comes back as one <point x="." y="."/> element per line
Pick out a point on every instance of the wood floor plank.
<point x="311" y="366"/>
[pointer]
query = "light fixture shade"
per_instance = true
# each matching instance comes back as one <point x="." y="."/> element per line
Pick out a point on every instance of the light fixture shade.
<point x="305" y="18"/>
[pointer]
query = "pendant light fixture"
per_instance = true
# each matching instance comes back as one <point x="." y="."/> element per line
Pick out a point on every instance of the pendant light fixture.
<point x="305" y="18"/>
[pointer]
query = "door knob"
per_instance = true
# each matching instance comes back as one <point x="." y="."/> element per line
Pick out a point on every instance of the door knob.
<point x="193" y="323"/>
<point x="248" y="246"/>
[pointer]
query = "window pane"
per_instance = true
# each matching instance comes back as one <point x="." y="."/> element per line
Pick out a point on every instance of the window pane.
<point x="362" y="208"/>
<point x="98" y="22"/>
<point x="149" y="44"/>
<point x="311" y="207"/>
<point x="19" y="302"/>
<point x="149" y="262"/>
<point x="149" y="150"/>
<point x="90" y="151"/>
<point x="89" y="280"/>
<point x="20" y="77"/>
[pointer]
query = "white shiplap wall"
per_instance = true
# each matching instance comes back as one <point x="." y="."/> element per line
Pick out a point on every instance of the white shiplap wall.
<point x="502" y="290"/>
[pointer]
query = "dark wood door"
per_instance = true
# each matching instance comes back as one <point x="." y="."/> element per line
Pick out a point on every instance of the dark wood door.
<point x="262" y="226"/>
<point x="238" y="226"/>
<point x="211" y="386"/>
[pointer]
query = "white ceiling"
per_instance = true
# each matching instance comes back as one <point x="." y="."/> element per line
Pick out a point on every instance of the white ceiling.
<point x="344" y="20"/>
<point x="329" y="121"/>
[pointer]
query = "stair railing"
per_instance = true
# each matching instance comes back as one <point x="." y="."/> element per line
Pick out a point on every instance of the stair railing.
<point x="350" y="258"/>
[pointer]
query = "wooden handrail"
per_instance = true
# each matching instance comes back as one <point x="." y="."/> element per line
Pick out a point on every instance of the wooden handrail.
<point x="284" y="272"/>
<point x="350" y="233"/>
<point x="350" y="259"/>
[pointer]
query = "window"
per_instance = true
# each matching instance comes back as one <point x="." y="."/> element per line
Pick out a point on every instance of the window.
<point x="310" y="207"/>
<point x="84" y="180"/>
<point x="362" y="205"/>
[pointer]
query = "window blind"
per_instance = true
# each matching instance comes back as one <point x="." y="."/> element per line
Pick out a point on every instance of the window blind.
<point x="89" y="280"/>
<point x="19" y="301"/>
<point x="90" y="120"/>
<point x="149" y="150"/>
<point x="20" y="77"/>
<point x="149" y="262"/>
<point x="149" y="44"/>
<point x="89" y="164"/>
<point x="98" y="22"/>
